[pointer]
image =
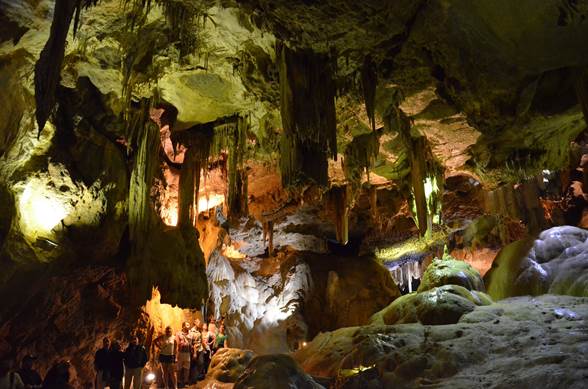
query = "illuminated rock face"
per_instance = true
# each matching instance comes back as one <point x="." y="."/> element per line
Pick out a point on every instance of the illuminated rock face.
<point x="262" y="312"/>
<point x="226" y="367"/>
<point x="518" y="342"/>
<point x="556" y="262"/>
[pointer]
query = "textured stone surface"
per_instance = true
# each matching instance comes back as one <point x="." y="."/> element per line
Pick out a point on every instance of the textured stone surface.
<point x="275" y="371"/>
<point x="66" y="316"/>
<point x="556" y="262"/>
<point x="441" y="305"/>
<point x="519" y="342"/>
<point x="451" y="271"/>
<point x="226" y="367"/>
<point x="346" y="292"/>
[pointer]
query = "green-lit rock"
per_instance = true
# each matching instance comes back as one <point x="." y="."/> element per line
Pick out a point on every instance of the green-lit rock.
<point x="556" y="262"/>
<point x="448" y="271"/>
<point x="442" y="305"/>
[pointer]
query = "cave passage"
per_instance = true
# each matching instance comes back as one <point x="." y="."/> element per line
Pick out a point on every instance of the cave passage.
<point x="293" y="194"/>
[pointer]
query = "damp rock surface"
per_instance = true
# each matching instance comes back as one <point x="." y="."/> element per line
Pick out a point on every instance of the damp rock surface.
<point x="226" y="367"/>
<point x="275" y="371"/>
<point x="517" y="342"/>
<point x="442" y="305"/>
<point x="556" y="262"/>
<point x="450" y="271"/>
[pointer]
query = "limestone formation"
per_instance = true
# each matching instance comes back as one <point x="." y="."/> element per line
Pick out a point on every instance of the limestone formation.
<point x="522" y="342"/>
<point x="441" y="305"/>
<point x="275" y="371"/>
<point x="556" y="263"/>
<point x="448" y="271"/>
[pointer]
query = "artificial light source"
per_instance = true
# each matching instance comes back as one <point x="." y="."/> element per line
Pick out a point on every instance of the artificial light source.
<point x="150" y="377"/>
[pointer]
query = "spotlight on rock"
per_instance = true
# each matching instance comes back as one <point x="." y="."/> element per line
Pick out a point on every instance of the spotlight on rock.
<point x="40" y="210"/>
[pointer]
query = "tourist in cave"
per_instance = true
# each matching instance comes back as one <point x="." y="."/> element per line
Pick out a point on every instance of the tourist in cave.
<point x="101" y="361"/>
<point x="9" y="379"/>
<point x="185" y="346"/>
<point x="206" y="349"/>
<point x="221" y="339"/>
<point x="30" y="377"/>
<point x="135" y="360"/>
<point x="168" y="349"/>
<point x="58" y="376"/>
<point x="116" y="365"/>
<point x="196" y="361"/>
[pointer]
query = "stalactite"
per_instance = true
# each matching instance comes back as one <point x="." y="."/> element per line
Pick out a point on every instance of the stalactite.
<point x="407" y="272"/>
<point x="237" y="196"/>
<point x="186" y="189"/>
<point x="374" y="202"/>
<point x="307" y="105"/>
<point x="48" y="67"/>
<point x="146" y="164"/>
<point x="198" y="141"/>
<point x="417" y="177"/>
<point x="360" y="155"/>
<point x="340" y="200"/>
<point x="369" y="80"/>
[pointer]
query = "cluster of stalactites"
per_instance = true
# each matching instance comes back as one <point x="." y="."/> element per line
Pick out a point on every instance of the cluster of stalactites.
<point x="213" y="140"/>
<point x="360" y="155"/>
<point x="307" y="105"/>
<point x="48" y="67"/>
<point x="369" y="80"/>
<point x="197" y="142"/>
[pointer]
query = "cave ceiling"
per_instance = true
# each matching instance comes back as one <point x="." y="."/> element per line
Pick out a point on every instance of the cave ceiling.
<point x="490" y="84"/>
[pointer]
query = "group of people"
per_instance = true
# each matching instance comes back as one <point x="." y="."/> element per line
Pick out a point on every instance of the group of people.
<point x="112" y="364"/>
<point x="28" y="378"/>
<point x="189" y="351"/>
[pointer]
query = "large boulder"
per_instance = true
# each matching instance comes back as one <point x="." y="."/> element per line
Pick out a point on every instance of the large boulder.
<point x="275" y="371"/>
<point x="520" y="342"/>
<point x="449" y="271"/>
<point x="556" y="262"/>
<point x="226" y="367"/>
<point x="443" y="305"/>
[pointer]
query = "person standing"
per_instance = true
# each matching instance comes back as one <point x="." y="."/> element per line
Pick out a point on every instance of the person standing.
<point x="58" y="377"/>
<point x="135" y="360"/>
<point x="30" y="377"/>
<point x="116" y="365"/>
<point x="196" y="361"/>
<point x="185" y="346"/>
<point x="221" y="339"/>
<point x="9" y="379"/>
<point x="101" y="361"/>
<point x="205" y="350"/>
<point x="168" y="350"/>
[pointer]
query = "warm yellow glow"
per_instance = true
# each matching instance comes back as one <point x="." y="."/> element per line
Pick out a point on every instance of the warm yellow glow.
<point x="232" y="252"/>
<point x="208" y="201"/>
<point x="40" y="209"/>
<point x="170" y="215"/>
<point x="163" y="315"/>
